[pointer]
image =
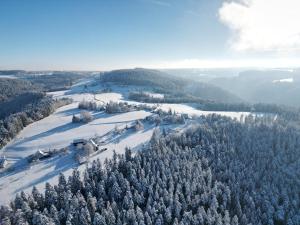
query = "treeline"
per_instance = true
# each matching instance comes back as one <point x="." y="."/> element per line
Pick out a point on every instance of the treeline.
<point x="166" y="83"/>
<point x="56" y="81"/>
<point x="143" y="77"/>
<point x="284" y="112"/>
<point x="11" y="72"/>
<point x="39" y="108"/>
<point x="18" y="103"/>
<point x="216" y="172"/>
<point x="22" y="103"/>
<point x="287" y="113"/>
<point x="168" y="98"/>
<point x="10" y="88"/>
<point x="112" y="107"/>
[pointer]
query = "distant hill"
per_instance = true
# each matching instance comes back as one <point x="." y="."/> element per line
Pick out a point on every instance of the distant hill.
<point x="168" y="83"/>
<point x="267" y="86"/>
<point x="11" y="72"/>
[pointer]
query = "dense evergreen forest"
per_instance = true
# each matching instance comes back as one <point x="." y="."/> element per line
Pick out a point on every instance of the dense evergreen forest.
<point x="38" y="108"/>
<point x="12" y="72"/>
<point x="55" y="81"/>
<point x="166" y="83"/>
<point x="288" y="113"/>
<point x="10" y="88"/>
<point x="218" y="171"/>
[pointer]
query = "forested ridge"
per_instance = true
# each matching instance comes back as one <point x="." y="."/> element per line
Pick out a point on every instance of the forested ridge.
<point x="291" y="114"/>
<point x="166" y="83"/>
<point x="55" y="81"/>
<point x="22" y="103"/>
<point x="10" y="88"/>
<point x="36" y="109"/>
<point x="218" y="171"/>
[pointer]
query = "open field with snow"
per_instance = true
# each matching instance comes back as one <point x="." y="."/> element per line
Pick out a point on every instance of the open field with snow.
<point x="57" y="131"/>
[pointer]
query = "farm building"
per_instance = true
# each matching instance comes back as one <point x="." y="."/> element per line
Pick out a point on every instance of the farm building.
<point x="39" y="155"/>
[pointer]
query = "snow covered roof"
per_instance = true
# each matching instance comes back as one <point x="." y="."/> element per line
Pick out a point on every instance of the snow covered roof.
<point x="39" y="154"/>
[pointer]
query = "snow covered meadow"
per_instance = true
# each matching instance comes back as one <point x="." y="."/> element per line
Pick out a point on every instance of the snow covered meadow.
<point x="57" y="131"/>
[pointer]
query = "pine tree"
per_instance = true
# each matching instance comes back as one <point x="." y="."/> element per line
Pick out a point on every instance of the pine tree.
<point x="84" y="216"/>
<point x="99" y="220"/>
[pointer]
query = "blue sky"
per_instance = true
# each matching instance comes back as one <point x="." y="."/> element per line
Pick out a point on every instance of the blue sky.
<point x="109" y="34"/>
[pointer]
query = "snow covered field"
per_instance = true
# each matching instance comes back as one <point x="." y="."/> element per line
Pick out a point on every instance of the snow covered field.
<point x="8" y="76"/>
<point x="57" y="131"/>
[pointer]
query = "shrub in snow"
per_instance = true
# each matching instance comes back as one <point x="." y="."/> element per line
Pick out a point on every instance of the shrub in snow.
<point x="89" y="105"/>
<point x="76" y="119"/>
<point x="86" y="116"/>
<point x="118" y="107"/>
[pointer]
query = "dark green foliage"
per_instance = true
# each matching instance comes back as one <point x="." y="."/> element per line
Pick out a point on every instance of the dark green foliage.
<point x="216" y="172"/>
<point x="12" y="72"/>
<point x="168" y="84"/>
<point x="22" y="103"/>
<point x="10" y="88"/>
<point x="287" y="113"/>
<point x="19" y="103"/>
<point x="56" y="81"/>
<point x="168" y="98"/>
<point x="37" y="109"/>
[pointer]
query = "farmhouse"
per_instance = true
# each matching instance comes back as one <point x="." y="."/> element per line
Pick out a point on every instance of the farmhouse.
<point x="39" y="155"/>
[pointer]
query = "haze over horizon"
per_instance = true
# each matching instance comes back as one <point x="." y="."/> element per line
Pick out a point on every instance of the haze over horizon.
<point x="104" y="35"/>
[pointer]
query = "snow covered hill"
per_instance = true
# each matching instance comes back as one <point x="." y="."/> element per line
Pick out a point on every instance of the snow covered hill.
<point x="57" y="131"/>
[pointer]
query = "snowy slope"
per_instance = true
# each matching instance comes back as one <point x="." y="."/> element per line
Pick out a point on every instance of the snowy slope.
<point x="57" y="131"/>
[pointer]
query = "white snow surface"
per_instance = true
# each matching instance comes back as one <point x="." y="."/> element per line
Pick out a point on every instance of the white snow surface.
<point x="57" y="131"/>
<point x="8" y="76"/>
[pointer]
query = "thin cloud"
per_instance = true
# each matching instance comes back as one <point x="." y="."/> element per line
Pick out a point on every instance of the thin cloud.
<point x="263" y="25"/>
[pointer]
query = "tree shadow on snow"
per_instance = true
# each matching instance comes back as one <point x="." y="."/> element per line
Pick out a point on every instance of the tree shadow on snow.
<point x="60" y="163"/>
<point x="69" y="112"/>
<point x="55" y="130"/>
